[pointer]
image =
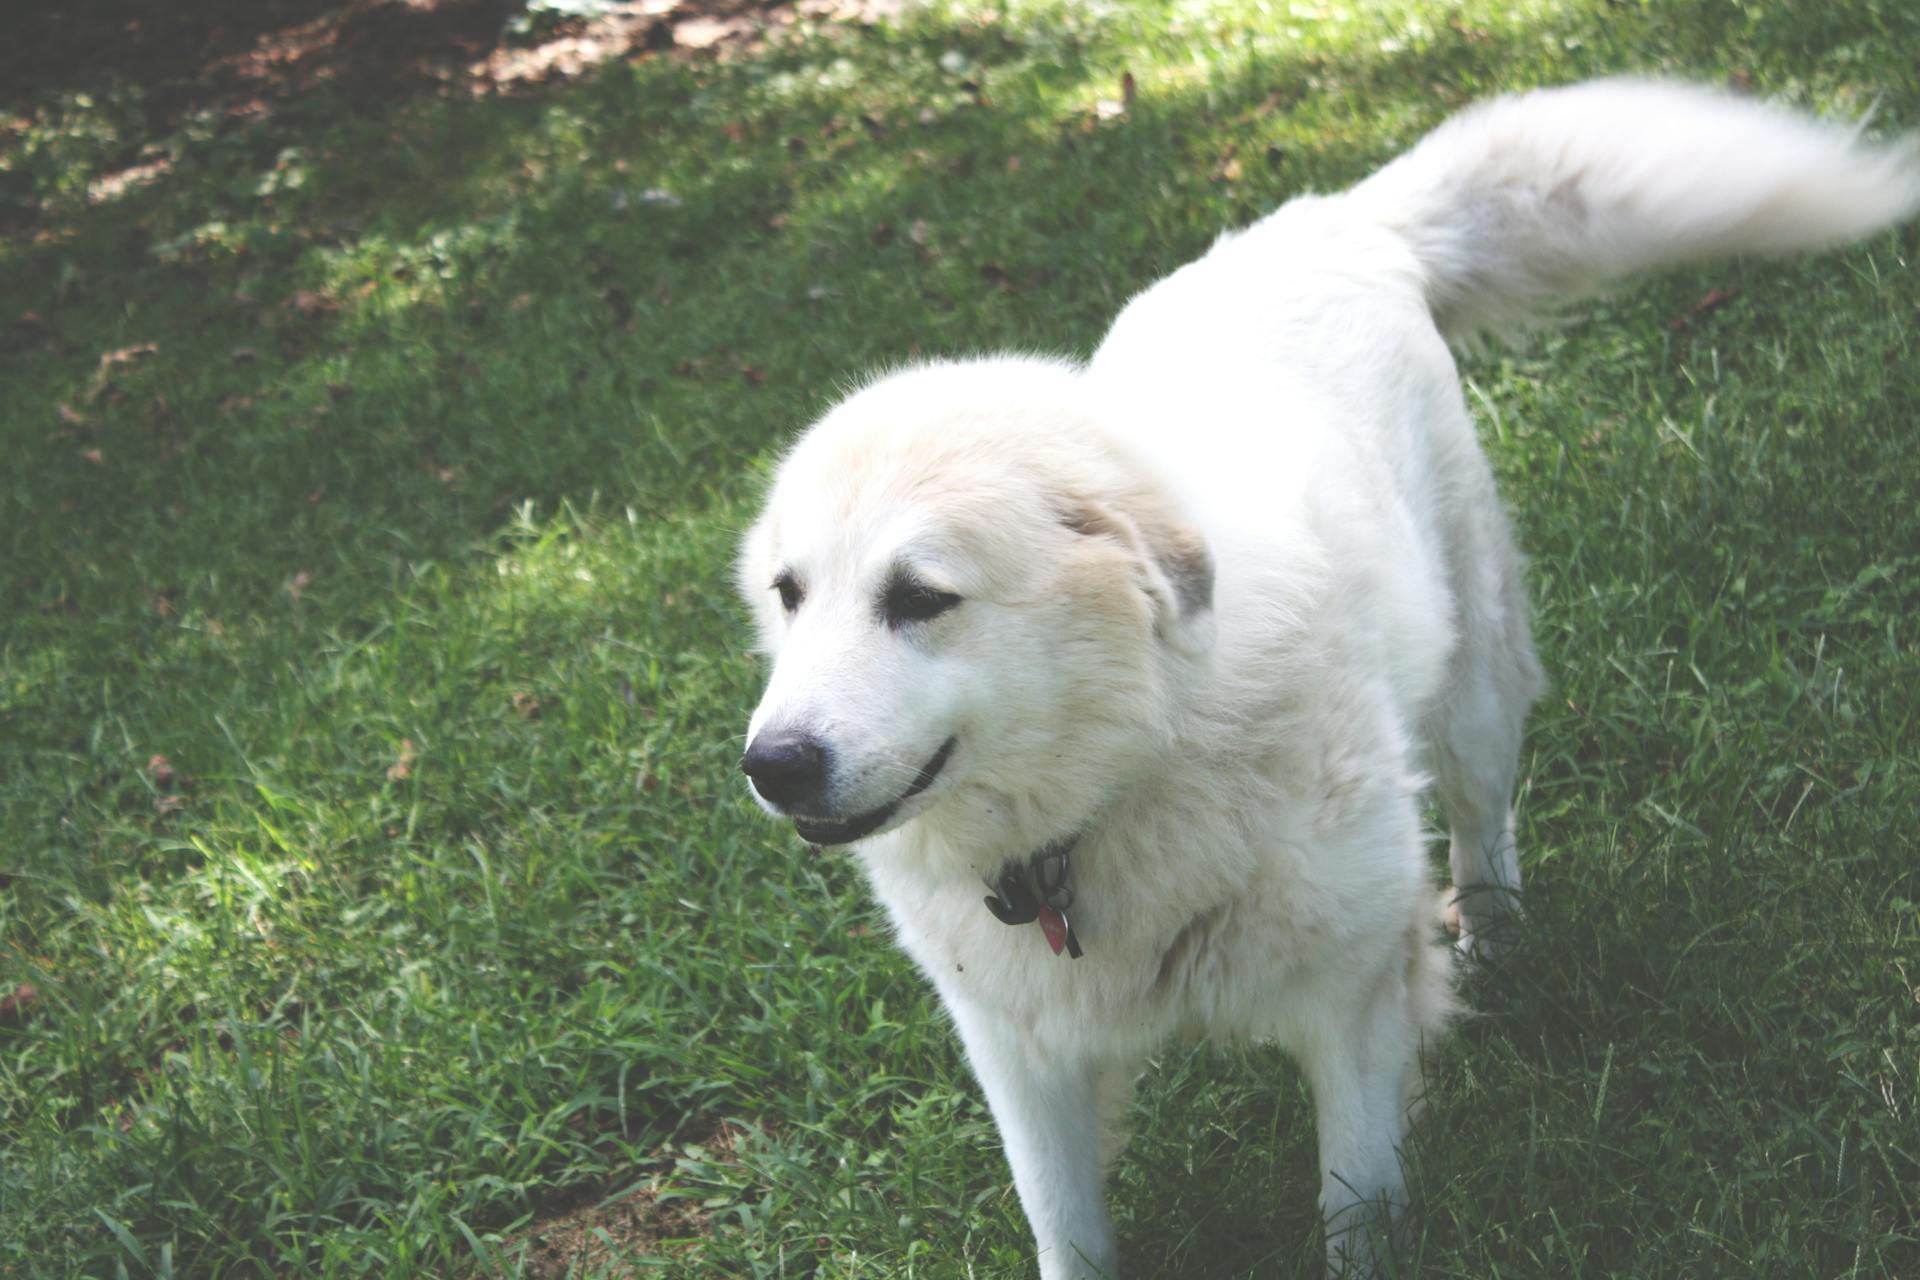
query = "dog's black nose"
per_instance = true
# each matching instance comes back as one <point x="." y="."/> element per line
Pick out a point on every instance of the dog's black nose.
<point x="788" y="768"/>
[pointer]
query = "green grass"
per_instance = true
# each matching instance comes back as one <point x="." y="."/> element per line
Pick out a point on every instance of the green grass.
<point x="407" y="547"/>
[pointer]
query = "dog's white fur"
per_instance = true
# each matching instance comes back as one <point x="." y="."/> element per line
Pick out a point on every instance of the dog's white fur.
<point x="1232" y="593"/>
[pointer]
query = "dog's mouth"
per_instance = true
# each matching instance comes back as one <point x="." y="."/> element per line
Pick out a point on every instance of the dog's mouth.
<point x="847" y="830"/>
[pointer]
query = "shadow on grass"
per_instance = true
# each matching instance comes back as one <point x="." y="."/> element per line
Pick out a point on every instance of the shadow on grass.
<point x="415" y="322"/>
<point x="415" y="319"/>
<point x="167" y="56"/>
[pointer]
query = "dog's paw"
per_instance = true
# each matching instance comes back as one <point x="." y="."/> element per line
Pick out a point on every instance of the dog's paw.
<point x="1477" y="936"/>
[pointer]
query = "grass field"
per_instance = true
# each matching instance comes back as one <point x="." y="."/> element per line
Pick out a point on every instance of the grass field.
<point x="379" y="896"/>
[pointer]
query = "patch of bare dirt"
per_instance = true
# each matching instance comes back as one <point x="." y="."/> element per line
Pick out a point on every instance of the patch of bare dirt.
<point x="651" y="1219"/>
<point x="641" y="1223"/>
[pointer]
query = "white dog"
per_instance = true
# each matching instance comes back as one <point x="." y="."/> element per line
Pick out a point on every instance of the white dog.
<point x="1156" y="654"/>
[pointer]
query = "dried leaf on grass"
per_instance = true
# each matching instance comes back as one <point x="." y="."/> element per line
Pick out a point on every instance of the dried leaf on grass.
<point x="104" y="387"/>
<point x="171" y="783"/>
<point x="1712" y="301"/>
<point x="127" y="355"/>
<point x="18" y="1003"/>
<point x="402" y="769"/>
<point x="311" y="302"/>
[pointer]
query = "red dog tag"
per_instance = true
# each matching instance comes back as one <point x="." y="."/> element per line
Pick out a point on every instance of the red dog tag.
<point x="1054" y="925"/>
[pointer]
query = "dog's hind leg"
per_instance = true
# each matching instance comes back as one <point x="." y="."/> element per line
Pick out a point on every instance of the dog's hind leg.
<point x="1475" y="745"/>
<point x="1476" y="784"/>
<point x="1055" y="1112"/>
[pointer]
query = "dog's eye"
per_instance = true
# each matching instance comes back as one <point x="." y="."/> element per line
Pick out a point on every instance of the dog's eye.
<point x="790" y="593"/>
<point x="909" y="601"/>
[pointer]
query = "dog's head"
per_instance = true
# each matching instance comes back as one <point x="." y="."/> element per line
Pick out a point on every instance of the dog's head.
<point x="973" y="602"/>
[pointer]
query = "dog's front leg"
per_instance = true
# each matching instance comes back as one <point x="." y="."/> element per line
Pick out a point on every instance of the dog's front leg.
<point x="1361" y="1069"/>
<point x="1049" y="1107"/>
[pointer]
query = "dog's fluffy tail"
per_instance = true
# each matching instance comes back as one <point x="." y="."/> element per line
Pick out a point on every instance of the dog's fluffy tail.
<point x="1523" y="201"/>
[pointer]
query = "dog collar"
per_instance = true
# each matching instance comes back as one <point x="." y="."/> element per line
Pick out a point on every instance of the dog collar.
<point x="1036" y="890"/>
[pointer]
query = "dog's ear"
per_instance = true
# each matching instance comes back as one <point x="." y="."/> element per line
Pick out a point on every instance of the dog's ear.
<point x="1171" y="560"/>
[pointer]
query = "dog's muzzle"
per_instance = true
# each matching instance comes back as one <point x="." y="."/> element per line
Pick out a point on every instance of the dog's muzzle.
<point x="789" y="770"/>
